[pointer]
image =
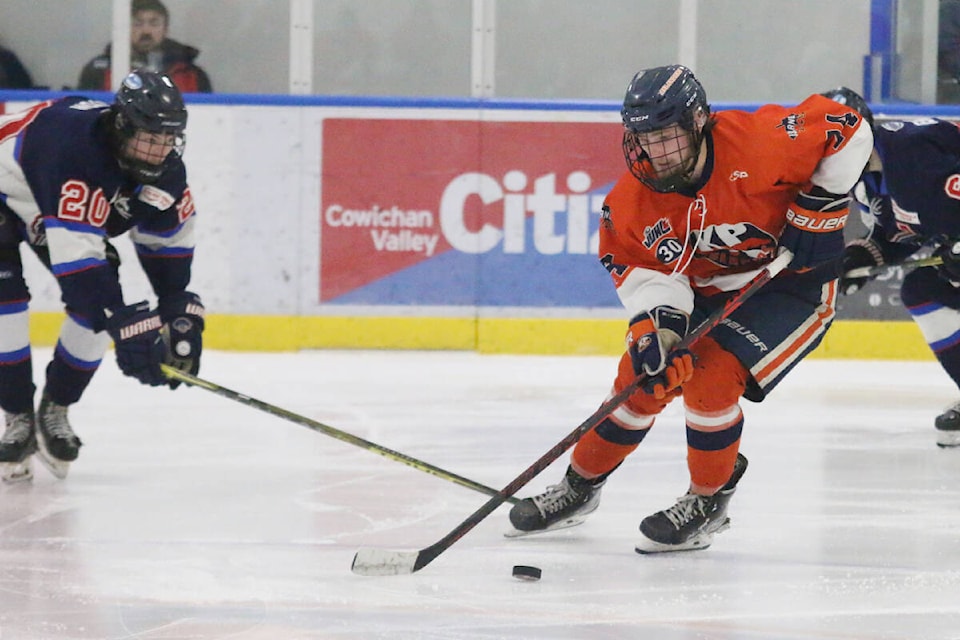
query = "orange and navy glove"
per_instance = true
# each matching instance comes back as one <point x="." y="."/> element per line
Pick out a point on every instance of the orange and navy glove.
<point x="814" y="229"/>
<point x="650" y="342"/>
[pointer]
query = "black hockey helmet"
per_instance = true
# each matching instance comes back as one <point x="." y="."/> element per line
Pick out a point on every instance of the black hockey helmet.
<point x="657" y="99"/>
<point x="150" y="102"/>
<point x="852" y="99"/>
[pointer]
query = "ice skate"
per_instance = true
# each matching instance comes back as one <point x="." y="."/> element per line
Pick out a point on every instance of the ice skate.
<point x="59" y="446"/>
<point x="562" y="505"/>
<point x="19" y="442"/>
<point x="693" y="521"/>
<point x="948" y="427"/>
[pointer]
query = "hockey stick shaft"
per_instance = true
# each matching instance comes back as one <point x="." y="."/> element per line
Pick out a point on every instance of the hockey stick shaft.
<point x="379" y="562"/>
<point x="343" y="436"/>
<point x="866" y="272"/>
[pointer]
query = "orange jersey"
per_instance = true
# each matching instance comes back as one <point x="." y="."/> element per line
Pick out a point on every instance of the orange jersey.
<point x="661" y="247"/>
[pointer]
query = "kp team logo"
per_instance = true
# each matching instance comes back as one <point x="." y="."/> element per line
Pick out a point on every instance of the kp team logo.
<point x="733" y="245"/>
<point x="726" y="245"/>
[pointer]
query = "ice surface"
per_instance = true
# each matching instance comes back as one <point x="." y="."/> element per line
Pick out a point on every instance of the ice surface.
<point x="190" y="516"/>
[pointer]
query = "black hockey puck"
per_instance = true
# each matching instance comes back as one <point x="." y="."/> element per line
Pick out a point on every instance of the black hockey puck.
<point x="524" y="572"/>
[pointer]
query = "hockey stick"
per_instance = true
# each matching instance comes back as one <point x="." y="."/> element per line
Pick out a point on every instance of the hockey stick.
<point x="866" y="272"/>
<point x="193" y="381"/>
<point x="383" y="562"/>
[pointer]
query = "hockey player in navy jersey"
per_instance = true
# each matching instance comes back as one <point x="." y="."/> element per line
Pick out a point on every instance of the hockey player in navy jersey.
<point x="910" y="197"/>
<point x="75" y="173"/>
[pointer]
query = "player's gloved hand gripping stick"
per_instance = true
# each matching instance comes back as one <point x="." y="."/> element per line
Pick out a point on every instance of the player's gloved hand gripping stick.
<point x="931" y="261"/>
<point x="852" y="280"/>
<point x="174" y="374"/>
<point x="383" y="562"/>
<point x="652" y="344"/>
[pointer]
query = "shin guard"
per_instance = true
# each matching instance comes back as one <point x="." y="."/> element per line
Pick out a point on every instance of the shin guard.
<point x="713" y="416"/>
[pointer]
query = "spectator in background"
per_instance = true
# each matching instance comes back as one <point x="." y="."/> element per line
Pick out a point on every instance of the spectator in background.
<point x="151" y="49"/>
<point x="13" y="75"/>
<point x="948" y="52"/>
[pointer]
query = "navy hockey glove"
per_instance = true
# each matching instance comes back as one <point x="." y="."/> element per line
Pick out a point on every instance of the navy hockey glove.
<point x="858" y="254"/>
<point x="183" y="325"/>
<point x="814" y="230"/>
<point x="949" y="252"/>
<point x="650" y="341"/>
<point x="135" y="330"/>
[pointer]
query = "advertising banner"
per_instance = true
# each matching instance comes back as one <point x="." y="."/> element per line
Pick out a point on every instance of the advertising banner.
<point x="453" y="212"/>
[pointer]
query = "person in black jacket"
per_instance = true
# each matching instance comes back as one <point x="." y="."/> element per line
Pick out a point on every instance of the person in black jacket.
<point x="152" y="50"/>
<point x="13" y="75"/>
<point x="948" y="52"/>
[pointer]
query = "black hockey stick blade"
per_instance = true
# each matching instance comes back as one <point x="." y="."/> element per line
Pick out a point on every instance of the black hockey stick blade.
<point x="383" y="562"/>
<point x="176" y="374"/>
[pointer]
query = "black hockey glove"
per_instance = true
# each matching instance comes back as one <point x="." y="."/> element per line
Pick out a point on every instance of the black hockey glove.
<point x="650" y="342"/>
<point x="949" y="252"/>
<point x="135" y="330"/>
<point x="858" y="254"/>
<point x="183" y="324"/>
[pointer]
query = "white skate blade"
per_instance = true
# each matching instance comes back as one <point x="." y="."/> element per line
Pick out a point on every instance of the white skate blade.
<point x="57" y="467"/>
<point x="948" y="439"/>
<point x="561" y="524"/>
<point x="702" y="540"/>
<point x="16" y="472"/>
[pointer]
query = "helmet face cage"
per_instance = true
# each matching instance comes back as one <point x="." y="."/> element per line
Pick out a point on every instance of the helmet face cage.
<point x="663" y="160"/>
<point x="146" y="155"/>
<point x="662" y="137"/>
<point x="148" y="125"/>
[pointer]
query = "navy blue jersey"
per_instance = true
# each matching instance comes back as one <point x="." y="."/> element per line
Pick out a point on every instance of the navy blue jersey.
<point x="916" y="199"/>
<point x="59" y="174"/>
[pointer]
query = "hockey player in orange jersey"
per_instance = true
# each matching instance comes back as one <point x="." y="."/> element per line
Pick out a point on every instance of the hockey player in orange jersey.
<point x="709" y="199"/>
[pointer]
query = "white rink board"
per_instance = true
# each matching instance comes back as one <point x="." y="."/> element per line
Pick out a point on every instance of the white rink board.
<point x="255" y="174"/>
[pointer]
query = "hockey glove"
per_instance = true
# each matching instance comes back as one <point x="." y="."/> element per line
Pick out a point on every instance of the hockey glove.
<point x="650" y="341"/>
<point x="135" y="330"/>
<point x="814" y="229"/>
<point x="183" y="325"/>
<point x="949" y="252"/>
<point x="857" y="254"/>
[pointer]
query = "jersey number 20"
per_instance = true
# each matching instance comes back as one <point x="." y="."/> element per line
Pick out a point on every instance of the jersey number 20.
<point x="77" y="204"/>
